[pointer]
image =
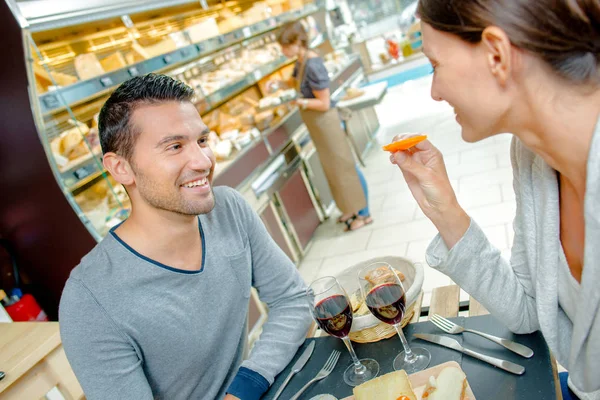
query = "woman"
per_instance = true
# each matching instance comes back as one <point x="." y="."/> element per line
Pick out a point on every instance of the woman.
<point x="347" y="183"/>
<point x="529" y="67"/>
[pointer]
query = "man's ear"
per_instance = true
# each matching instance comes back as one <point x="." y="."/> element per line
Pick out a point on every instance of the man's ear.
<point x="499" y="53"/>
<point x="119" y="168"/>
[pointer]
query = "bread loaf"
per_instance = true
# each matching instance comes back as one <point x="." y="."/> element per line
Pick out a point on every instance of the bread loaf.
<point x="45" y="79"/>
<point x="88" y="66"/>
<point x="113" y="62"/>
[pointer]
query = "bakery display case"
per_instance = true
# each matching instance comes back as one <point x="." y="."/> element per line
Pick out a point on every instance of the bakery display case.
<point x="225" y="50"/>
<point x="65" y="58"/>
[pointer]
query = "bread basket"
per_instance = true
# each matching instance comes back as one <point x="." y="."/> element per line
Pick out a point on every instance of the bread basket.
<point x="366" y="328"/>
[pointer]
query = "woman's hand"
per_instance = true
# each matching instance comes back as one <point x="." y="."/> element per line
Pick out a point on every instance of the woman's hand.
<point x="425" y="173"/>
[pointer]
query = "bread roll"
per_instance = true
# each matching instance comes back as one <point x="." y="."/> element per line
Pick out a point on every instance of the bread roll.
<point x="377" y="275"/>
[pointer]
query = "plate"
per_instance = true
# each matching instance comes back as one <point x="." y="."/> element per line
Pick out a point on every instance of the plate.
<point x="419" y="380"/>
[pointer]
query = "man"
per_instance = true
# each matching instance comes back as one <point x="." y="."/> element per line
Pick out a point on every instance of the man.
<point x="158" y="309"/>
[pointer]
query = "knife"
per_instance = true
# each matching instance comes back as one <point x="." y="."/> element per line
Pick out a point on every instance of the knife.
<point x="454" y="345"/>
<point x="297" y="367"/>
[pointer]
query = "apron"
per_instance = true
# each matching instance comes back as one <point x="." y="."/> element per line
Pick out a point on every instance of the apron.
<point x="335" y="155"/>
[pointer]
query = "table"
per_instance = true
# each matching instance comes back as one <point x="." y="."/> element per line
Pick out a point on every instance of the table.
<point x="373" y="95"/>
<point x="34" y="361"/>
<point x="488" y="383"/>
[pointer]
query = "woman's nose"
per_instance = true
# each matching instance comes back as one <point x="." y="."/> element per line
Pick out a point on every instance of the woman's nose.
<point x="434" y="91"/>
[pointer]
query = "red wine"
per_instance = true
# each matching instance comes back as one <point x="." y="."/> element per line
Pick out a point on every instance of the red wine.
<point x="334" y="315"/>
<point x="387" y="302"/>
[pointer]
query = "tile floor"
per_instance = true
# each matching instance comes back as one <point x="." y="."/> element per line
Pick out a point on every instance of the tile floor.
<point x="480" y="173"/>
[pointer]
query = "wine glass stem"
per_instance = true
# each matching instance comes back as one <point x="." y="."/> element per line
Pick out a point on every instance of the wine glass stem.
<point x="408" y="354"/>
<point x="358" y="367"/>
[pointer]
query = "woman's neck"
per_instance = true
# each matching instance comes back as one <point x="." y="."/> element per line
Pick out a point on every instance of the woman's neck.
<point x="558" y="123"/>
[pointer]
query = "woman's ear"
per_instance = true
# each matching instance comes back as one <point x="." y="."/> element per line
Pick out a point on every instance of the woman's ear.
<point x="498" y="52"/>
<point x="119" y="168"/>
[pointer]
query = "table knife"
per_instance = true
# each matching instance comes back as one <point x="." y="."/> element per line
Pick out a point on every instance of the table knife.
<point x="454" y="345"/>
<point x="297" y="367"/>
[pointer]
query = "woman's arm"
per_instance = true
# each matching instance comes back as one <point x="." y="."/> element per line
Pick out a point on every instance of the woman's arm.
<point x="321" y="102"/>
<point x="462" y="251"/>
<point x="317" y="78"/>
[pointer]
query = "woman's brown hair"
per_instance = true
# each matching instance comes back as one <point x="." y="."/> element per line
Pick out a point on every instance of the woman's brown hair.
<point x="563" y="33"/>
<point x="292" y="33"/>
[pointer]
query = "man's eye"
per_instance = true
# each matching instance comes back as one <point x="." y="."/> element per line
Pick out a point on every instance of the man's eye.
<point x="203" y="140"/>
<point x="174" y="147"/>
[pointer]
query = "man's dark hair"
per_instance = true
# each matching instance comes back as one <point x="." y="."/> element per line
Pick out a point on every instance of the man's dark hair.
<point x="117" y="133"/>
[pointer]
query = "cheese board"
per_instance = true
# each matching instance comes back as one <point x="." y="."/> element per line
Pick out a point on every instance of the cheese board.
<point x="419" y="380"/>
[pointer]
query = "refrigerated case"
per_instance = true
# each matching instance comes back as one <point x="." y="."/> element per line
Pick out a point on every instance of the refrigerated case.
<point x="65" y="59"/>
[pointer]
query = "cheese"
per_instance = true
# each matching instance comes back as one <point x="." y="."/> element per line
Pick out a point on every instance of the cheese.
<point x="392" y="386"/>
<point x="450" y="384"/>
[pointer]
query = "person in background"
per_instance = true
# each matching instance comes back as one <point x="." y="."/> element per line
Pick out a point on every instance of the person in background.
<point x="311" y="80"/>
<point x="159" y="308"/>
<point x="530" y="68"/>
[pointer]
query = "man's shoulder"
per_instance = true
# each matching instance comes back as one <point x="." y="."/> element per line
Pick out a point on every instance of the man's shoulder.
<point x="95" y="266"/>
<point x="226" y="193"/>
<point x="229" y="201"/>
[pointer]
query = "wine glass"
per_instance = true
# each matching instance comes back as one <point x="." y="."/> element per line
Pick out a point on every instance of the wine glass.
<point x="386" y="299"/>
<point x="331" y="310"/>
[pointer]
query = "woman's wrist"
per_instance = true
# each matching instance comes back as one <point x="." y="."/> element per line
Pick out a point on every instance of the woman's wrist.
<point x="452" y="224"/>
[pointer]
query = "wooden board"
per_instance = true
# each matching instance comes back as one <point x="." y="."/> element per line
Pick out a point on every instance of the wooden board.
<point x="476" y="309"/>
<point x="444" y="301"/>
<point x="417" y="311"/>
<point x="419" y="380"/>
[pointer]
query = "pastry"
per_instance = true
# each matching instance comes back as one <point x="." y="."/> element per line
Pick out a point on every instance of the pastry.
<point x="263" y="119"/>
<point x="352" y="93"/>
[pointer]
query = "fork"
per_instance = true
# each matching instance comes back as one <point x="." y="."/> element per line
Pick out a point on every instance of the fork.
<point x="323" y="373"/>
<point x="452" y="328"/>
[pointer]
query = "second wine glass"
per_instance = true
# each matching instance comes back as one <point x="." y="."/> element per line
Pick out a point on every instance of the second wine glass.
<point x="384" y="294"/>
<point x="331" y="310"/>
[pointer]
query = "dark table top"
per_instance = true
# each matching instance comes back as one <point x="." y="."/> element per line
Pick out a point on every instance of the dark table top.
<point x="486" y="381"/>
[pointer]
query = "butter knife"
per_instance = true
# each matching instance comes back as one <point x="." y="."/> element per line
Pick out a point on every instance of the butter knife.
<point x="454" y="345"/>
<point x="297" y="367"/>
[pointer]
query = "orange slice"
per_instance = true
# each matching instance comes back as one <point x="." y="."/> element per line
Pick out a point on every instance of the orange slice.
<point x="404" y="144"/>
